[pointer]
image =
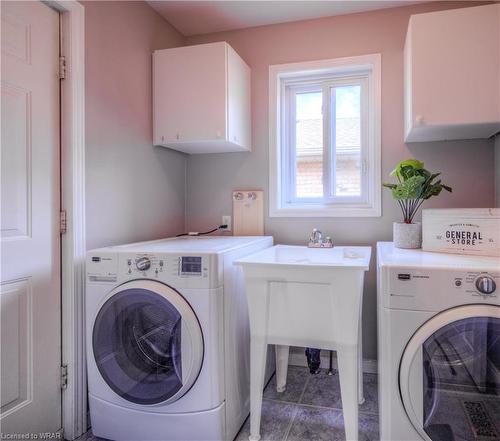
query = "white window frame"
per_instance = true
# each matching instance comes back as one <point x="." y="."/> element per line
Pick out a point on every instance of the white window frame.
<point x="308" y="74"/>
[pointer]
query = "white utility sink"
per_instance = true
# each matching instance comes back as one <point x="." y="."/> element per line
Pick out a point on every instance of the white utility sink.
<point x="311" y="297"/>
<point x="297" y="256"/>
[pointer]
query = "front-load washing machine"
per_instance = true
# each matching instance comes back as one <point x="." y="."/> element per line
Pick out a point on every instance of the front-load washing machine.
<point x="168" y="339"/>
<point x="439" y="345"/>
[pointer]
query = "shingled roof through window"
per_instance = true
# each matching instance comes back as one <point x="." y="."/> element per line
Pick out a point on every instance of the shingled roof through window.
<point x="310" y="136"/>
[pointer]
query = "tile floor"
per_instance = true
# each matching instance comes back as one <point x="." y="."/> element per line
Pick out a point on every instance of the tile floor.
<point x="309" y="409"/>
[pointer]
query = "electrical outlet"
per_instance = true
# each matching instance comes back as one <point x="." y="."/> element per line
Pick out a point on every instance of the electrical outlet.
<point x="226" y="220"/>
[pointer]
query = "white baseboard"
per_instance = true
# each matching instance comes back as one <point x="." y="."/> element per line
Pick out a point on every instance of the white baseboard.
<point x="299" y="359"/>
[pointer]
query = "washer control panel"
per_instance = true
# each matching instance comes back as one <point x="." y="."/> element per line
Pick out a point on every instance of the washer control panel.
<point x="426" y="289"/>
<point x="203" y="270"/>
<point x="189" y="270"/>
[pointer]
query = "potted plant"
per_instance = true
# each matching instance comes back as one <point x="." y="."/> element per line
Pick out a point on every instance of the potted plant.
<point x="415" y="185"/>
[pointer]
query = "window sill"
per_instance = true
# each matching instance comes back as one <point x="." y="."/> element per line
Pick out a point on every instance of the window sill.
<point x="324" y="211"/>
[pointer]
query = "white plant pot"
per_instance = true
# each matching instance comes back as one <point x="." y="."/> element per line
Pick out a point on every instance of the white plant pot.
<point x="407" y="235"/>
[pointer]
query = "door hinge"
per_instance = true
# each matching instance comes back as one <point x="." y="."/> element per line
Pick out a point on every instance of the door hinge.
<point x="63" y="225"/>
<point x="62" y="67"/>
<point x="64" y="376"/>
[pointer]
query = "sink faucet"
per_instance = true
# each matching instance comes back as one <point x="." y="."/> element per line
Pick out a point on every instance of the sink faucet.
<point x="316" y="236"/>
<point x="316" y="240"/>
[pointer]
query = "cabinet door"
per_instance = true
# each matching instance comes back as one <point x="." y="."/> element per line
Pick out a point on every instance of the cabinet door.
<point x="190" y="94"/>
<point x="238" y="100"/>
<point x="454" y="63"/>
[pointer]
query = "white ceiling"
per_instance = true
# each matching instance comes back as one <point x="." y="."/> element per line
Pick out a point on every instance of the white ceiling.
<point x="203" y="17"/>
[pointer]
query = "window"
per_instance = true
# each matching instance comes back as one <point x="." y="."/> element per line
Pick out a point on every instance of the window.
<point x="325" y="138"/>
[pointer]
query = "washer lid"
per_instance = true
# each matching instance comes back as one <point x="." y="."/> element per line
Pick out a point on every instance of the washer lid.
<point x="449" y="377"/>
<point x="147" y="343"/>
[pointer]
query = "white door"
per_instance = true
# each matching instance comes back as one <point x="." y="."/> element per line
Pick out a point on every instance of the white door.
<point x="30" y="200"/>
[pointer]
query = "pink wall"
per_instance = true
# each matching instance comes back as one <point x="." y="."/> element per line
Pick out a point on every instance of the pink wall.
<point x="134" y="191"/>
<point x="497" y="171"/>
<point x="467" y="166"/>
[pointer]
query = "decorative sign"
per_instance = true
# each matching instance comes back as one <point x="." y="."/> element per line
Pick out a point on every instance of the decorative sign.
<point x="462" y="231"/>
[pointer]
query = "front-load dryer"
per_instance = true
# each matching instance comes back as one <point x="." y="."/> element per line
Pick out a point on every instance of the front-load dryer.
<point x="438" y="345"/>
<point x="168" y="339"/>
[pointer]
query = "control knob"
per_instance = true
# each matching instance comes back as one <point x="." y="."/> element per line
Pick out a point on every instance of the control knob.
<point x="486" y="285"/>
<point x="143" y="263"/>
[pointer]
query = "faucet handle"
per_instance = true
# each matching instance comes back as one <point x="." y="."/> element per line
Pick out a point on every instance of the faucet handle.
<point x="316" y="239"/>
<point x="315" y="236"/>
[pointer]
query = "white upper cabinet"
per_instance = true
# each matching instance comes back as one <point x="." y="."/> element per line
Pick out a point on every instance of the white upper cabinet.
<point x="452" y="74"/>
<point x="201" y="99"/>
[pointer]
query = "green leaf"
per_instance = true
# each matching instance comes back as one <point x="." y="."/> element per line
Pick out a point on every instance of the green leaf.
<point x="409" y="189"/>
<point x="409" y="164"/>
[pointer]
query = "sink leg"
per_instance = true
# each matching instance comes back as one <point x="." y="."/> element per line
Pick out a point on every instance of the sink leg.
<point x="349" y="379"/>
<point x="361" y="397"/>
<point x="281" y="366"/>
<point x="258" y="354"/>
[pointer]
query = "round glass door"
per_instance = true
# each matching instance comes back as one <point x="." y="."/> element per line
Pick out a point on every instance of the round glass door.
<point x="147" y="343"/>
<point x="450" y="375"/>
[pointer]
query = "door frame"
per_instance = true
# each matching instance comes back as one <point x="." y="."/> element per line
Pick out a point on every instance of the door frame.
<point x="73" y="245"/>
